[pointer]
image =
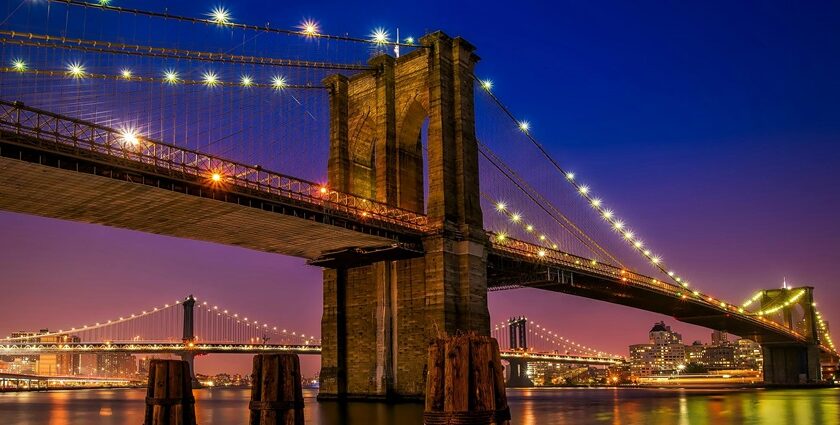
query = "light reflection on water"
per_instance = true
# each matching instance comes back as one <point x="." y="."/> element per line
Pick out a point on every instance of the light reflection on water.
<point x="558" y="406"/>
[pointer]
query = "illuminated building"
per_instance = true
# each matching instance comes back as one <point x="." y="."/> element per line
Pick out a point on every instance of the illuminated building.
<point x="661" y="356"/>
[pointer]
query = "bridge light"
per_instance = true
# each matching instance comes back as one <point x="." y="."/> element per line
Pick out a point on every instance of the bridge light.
<point x="542" y="237"/>
<point x="554" y="246"/>
<point x="608" y="214"/>
<point x="19" y="65"/>
<point x="541" y="253"/>
<point x="126" y="73"/>
<point x="618" y="225"/>
<point x="322" y="190"/>
<point x="246" y="81"/>
<point x="220" y="15"/>
<point x="515" y="217"/>
<point x="529" y="228"/>
<point x="309" y="27"/>
<point x="501" y="206"/>
<point x="278" y="82"/>
<point x="596" y="202"/>
<point x="128" y="136"/>
<point x="379" y="36"/>
<point x="501" y="236"/>
<point x="655" y="260"/>
<point x="409" y="40"/>
<point x="76" y="70"/>
<point x="216" y="177"/>
<point x="628" y="235"/>
<point x="638" y="244"/>
<point x="170" y="76"/>
<point x="570" y="176"/>
<point x="583" y="190"/>
<point x="104" y="2"/>
<point x="486" y="84"/>
<point x="524" y="126"/>
<point x="210" y="79"/>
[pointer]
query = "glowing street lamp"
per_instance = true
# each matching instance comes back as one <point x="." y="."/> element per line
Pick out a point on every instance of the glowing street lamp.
<point x="76" y="70"/>
<point x="379" y="36"/>
<point x="309" y="28"/>
<point x="220" y="15"/>
<point x="19" y="65"/>
<point x="170" y="76"/>
<point x="210" y="79"/>
<point x="279" y="82"/>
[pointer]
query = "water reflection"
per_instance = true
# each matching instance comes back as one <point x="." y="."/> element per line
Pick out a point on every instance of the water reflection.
<point x="559" y="406"/>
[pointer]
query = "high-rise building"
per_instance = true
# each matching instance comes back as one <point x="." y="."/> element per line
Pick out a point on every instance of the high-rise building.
<point x="117" y="365"/>
<point x="719" y="338"/>
<point x="748" y="355"/>
<point x="661" y="356"/>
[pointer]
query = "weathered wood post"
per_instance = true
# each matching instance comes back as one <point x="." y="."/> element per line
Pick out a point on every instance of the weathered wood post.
<point x="465" y="382"/>
<point x="276" y="392"/>
<point x="169" y="398"/>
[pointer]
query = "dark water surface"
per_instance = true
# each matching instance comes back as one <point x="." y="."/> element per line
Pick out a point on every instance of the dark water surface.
<point x="623" y="406"/>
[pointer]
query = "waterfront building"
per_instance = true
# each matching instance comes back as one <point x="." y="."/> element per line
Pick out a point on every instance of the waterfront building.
<point x="663" y="354"/>
<point x="116" y="365"/>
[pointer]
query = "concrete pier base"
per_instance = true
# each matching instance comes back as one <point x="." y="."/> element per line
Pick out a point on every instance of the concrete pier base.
<point x="791" y="364"/>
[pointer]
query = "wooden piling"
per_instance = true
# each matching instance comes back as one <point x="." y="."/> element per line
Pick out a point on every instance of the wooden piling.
<point x="169" y="398"/>
<point x="465" y="382"/>
<point x="276" y="391"/>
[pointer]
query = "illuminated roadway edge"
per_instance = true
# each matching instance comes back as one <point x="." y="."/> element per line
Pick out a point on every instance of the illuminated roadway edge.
<point x="180" y="348"/>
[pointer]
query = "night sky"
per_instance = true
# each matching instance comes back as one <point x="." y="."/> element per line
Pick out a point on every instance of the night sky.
<point x="714" y="127"/>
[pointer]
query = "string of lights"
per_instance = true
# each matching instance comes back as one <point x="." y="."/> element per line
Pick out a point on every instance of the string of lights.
<point x="256" y="324"/>
<point x="790" y="300"/>
<point x="824" y="329"/>
<point x="95" y="46"/>
<point x="99" y="325"/>
<point x="542" y="203"/>
<point x="553" y="337"/>
<point x="222" y="17"/>
<point x="170" y="77"/>
<point x="584" y="191"/>
<point x="557" y="340"/>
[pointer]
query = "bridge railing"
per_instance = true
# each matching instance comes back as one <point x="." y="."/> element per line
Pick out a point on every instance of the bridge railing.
<point x="217" y="173"/>
<point x="537" y="253"/>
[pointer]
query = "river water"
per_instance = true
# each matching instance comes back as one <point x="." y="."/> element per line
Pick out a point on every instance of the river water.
<point x="546" y="406"/>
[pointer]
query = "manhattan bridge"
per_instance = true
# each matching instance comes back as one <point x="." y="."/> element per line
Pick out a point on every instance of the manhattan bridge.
<point x="387" y="162"/>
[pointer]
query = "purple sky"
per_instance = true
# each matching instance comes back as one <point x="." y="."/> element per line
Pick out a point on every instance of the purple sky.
<point x="713" y="129"/>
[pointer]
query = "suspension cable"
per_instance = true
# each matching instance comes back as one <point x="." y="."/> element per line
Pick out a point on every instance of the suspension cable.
<point x="266" y="28"/>
<point x="96" y="46"/>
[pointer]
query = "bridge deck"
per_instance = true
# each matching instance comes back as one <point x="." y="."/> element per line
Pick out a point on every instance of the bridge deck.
<point x="10" y="349"/>
<point x="515" y="263"/>
<point x="59" y="167"/>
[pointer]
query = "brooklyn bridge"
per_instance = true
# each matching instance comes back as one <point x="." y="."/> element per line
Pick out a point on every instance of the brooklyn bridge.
<point x="375" y="159"/>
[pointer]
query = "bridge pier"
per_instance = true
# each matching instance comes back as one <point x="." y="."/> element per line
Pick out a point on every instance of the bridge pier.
<point x="791" y="364"/>
<point x="379" y="317"/>
<point x="517" y="376"/>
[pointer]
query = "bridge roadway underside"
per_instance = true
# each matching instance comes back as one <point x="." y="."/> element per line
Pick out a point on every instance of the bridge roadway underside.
<point x="88" y="190"/>
<point x="504" y="270"/>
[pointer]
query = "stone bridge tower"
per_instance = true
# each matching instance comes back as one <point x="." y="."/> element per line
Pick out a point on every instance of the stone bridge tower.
<point x="378" y="317"/>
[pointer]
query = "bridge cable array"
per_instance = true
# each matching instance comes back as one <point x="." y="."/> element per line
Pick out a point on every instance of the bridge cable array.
<point x="221" y="17"/>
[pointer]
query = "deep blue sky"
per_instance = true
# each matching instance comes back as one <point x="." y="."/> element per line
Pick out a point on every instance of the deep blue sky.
<point x="713" y="126"/>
